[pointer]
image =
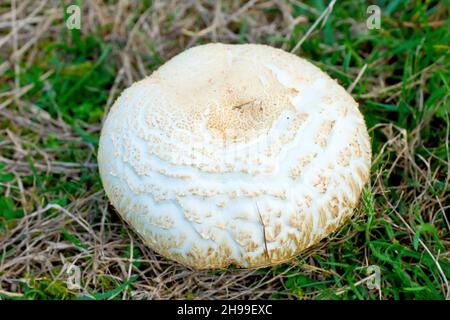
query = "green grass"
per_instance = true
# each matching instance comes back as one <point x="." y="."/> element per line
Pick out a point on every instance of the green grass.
<point x="401" y="219"/>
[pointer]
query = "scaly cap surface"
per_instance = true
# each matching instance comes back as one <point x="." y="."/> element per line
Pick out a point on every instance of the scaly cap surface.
<point x="240" y="154"/>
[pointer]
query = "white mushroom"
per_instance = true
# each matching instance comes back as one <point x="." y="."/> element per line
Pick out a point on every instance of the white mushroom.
<point x="234" y="154"/>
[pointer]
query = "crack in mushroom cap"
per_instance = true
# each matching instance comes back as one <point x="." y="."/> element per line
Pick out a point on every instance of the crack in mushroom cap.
<point x="234" y="154"/>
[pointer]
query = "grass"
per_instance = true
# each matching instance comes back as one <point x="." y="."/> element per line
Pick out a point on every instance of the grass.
<point x="56" y="86"/>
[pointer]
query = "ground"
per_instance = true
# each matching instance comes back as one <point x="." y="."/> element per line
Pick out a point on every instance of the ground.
<point x="59" y="237"/>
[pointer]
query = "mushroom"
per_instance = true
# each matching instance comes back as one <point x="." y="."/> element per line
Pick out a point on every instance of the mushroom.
<point x="234" y="154"/>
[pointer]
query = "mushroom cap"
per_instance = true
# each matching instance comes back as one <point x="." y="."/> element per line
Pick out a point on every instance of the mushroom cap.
<point x="234" y="154"/>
